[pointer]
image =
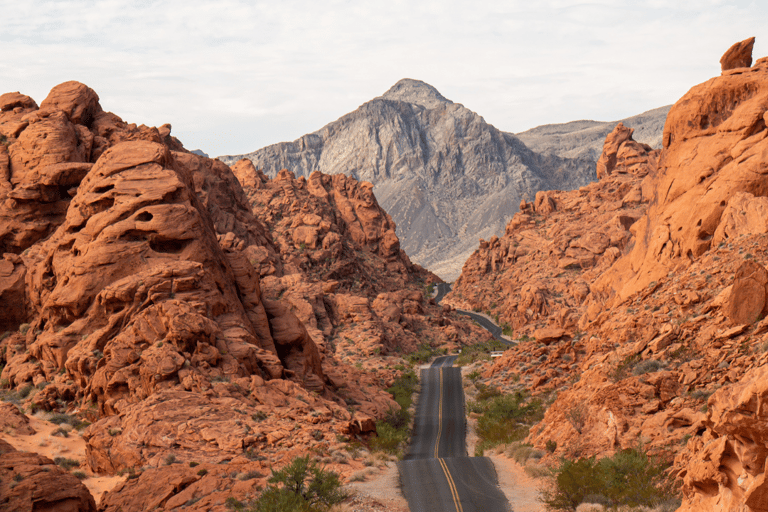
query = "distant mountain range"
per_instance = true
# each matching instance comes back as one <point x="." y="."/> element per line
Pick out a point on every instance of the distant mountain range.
<point x="585" y="138"/>
<point x="445" y="176"/>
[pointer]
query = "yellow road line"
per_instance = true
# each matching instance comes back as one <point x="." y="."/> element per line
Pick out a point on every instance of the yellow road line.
<point x="452" y="486"/>
<point x="439" y="415"/>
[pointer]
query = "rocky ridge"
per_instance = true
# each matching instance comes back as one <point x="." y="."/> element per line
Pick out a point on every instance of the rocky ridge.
<point x="585" y="138"/>
<point x="641" y="298"/>
<point x="144" y="294"/>
<point x="444" y="175"/>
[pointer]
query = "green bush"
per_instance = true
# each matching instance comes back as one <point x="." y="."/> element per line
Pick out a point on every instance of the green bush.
<point x="388" y="437"/>
<point x="629" y="478"/>
<point x="403" y="387"/>
<point x="504" y="418"/>
<point x="301" y="486"/>
<point x="392" y="432"/>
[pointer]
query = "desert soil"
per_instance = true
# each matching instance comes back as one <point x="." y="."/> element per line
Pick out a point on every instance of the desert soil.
<point x="71" y="447"/>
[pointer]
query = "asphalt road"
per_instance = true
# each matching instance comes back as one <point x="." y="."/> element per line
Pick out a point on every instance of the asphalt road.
<point x="437" y="475"/>
<point x="495" y="330"/>
<point x="442" y="291"/>
<point x="439" y="427"/>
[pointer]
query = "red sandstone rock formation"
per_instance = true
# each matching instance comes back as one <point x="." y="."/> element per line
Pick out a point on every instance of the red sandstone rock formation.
<point x="672" y="314"/>
<point x="142" y="291"/>
<point x="30" y="482"/>
<point x="738" y="56"/>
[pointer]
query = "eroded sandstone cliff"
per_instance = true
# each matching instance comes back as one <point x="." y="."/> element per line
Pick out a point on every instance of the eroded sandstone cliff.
<point x="145" y="292"/>
<point x="645" y="296"/>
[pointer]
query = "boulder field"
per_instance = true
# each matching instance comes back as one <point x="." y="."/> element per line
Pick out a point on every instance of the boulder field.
<point x="195" y="316"/>
<point x="641" y="298"/>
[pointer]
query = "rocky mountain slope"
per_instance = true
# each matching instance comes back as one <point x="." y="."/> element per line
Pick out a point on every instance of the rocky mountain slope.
<point x="585" y="138"/>
<point x="144" y="294"/>
<point x="444" y="175"/>
<point x="641" y="298"/>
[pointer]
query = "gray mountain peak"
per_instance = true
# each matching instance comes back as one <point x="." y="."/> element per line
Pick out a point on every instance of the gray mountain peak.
<point x="445" y="176"/>
<point x="416" y="92"/>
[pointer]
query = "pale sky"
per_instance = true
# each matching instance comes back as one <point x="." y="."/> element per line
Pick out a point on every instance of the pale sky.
<point x="234" y="76"/>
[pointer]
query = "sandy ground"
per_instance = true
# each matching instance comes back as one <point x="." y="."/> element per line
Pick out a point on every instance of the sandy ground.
<point x="520" y="489"/>
<point x="381" y="492"/>
<point x="72" y="447"/>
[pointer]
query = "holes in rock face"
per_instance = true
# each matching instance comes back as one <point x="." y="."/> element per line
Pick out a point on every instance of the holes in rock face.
<point x="64" y="192"/>
<point x="144" y="217"/>
<point x="722" y="203"/>
<point x="101" y="190"/>
<point x="76" y="229"/>
<point x="174" y="196"/>
<point x="134" y="235"/>
<point x="101" y="205"/>
<point x="168" y="246"/>
<point x="703" y="235"/>
<point x="698" y="224"/>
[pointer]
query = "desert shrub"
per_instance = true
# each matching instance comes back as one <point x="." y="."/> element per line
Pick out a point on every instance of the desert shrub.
<point x="624" y="368"/>
<point x="486" y="393"/>
<point x="403" y="387"/>
<point x="80" y="475"/>
<point x="233" y="503"/>
<point x="25" y="391"/>
<point x="202" y="472"/>
<point x="647" y="366"/>
<point x="577" y="416"/>
<point x="389" y="438"/>
<point x="302" y="486"/>
<point x="628" y="478"/>
<point x="551" y="446"/>
<point x="521" y="452"/>
<point x="59" y="418"/>
<point x="66" y="463"/>
<point x="60" y="432"/>
<point x="505" y="418"/>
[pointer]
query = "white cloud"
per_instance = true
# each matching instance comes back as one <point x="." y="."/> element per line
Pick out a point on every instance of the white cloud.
<point x="233" y="76"/>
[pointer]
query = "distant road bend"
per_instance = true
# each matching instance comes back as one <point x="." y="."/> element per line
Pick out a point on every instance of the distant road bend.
<point x="495" y="330"/>
<point x="437" y="475"/>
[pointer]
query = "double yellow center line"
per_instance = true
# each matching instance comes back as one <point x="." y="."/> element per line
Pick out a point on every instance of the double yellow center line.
<point x="452" y="485"/>
<point x="443" y="465"/>
<point x="439" y="415"/>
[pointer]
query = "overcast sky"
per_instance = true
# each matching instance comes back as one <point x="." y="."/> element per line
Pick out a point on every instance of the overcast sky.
<point x="234" y="76"/>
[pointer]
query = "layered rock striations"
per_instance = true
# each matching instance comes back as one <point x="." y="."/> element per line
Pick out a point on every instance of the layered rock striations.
<point x="144" y="292"/>
<point x="444" y="175"/>
<point x="641" y="298"/>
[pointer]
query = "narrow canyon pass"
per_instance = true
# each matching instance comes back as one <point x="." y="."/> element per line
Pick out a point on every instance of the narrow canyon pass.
<point x="200" y="325"/>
